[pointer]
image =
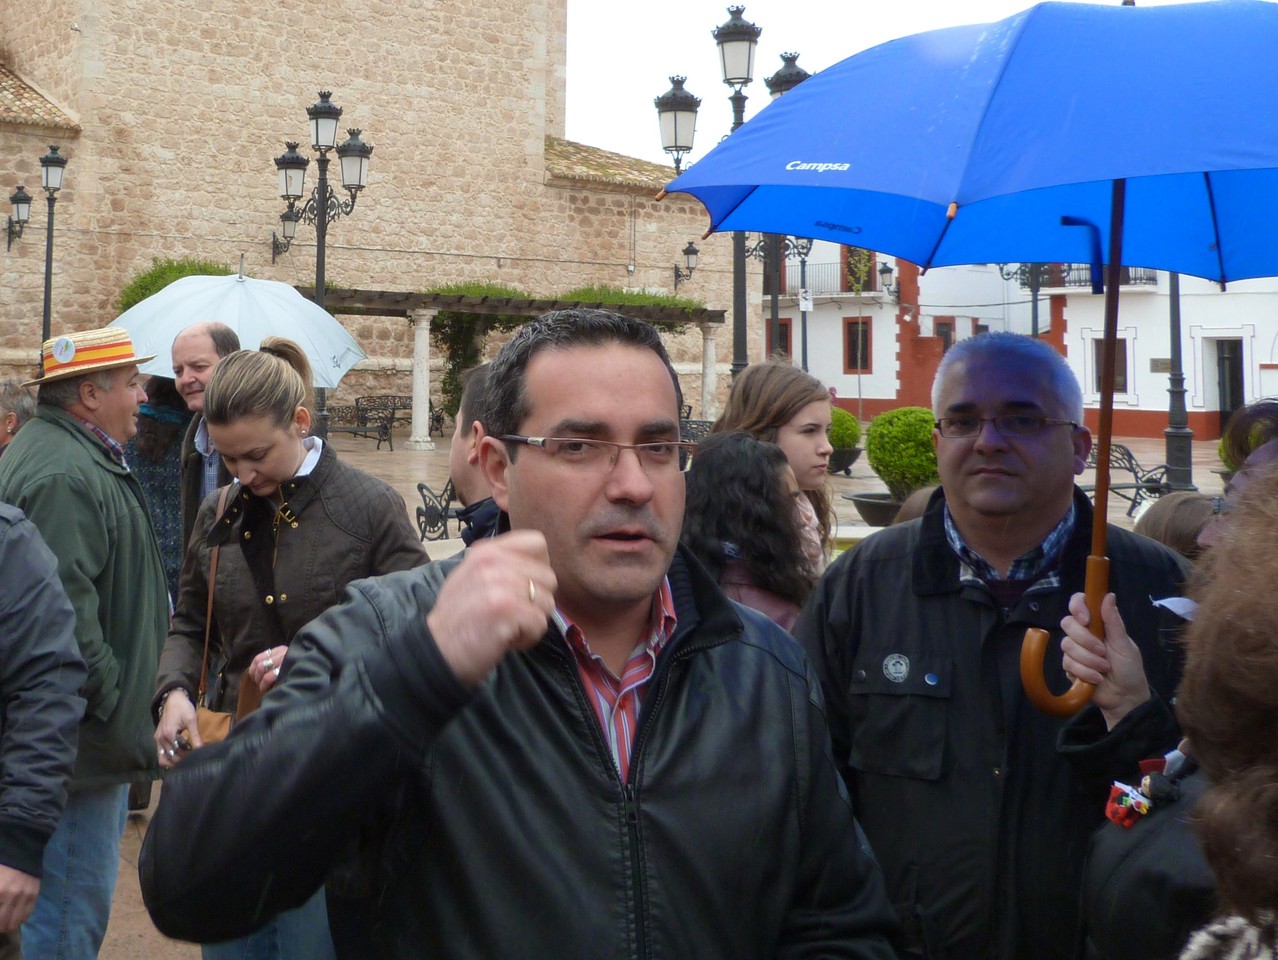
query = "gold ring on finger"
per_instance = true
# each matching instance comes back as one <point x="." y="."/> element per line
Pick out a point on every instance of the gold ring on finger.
<point x="532" y="591"/>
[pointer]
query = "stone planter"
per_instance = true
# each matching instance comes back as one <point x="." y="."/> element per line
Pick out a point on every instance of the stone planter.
<point x="842" y="458"/>
<point x="876" y="509"/>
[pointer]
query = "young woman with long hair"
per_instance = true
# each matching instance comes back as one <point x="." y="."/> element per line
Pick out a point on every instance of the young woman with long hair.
<point x="779" y="403"/>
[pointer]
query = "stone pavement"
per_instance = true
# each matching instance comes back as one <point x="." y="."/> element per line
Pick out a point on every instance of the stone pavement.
<point x="131" y="935"/>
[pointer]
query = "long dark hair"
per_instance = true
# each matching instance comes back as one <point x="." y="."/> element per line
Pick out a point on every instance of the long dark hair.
<point x="735" y="496"/>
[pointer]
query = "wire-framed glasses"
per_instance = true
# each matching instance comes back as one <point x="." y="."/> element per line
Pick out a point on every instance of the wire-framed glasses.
<point x="1009" y="425"/>
<point x="600" y="456"/>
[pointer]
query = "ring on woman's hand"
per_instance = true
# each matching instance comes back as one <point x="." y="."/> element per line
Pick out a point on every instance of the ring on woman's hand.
<point x="532" y="591"/>
<point x="276" y="671"/>
<point x="268" y="664"/>
<point x="170" y="753"/>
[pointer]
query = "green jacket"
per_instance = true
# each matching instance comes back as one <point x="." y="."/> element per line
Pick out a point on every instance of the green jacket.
<point x="92" y="514"/>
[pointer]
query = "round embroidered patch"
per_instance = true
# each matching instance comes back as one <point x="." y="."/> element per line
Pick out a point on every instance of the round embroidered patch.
<point x="896" y="667"/>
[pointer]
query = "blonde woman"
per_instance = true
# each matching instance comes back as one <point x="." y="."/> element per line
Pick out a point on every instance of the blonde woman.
<point x="298" y="526"/>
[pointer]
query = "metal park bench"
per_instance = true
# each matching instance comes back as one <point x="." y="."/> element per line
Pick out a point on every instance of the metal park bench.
<point x="436" y="510"/>
<point x="374" y="417"/>
<point x="369" y="417"/>
<point x="1146" y="483"/>
<point x="694" y="431"/>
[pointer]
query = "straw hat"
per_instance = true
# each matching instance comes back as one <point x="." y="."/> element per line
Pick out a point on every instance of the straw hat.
<point x="89" y="351"/>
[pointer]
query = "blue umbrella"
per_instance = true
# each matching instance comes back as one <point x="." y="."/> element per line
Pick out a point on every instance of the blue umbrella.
<point x="1069" y="132"/>
<point x="969" y="144"/>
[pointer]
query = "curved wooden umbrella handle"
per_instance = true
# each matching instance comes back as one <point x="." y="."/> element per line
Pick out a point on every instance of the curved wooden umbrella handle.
<point x="1034" y="649"/>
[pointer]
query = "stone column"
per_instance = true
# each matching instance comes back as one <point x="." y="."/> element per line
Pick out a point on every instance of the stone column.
<point x="709" y="372"/>
<point x="420" y="436"/>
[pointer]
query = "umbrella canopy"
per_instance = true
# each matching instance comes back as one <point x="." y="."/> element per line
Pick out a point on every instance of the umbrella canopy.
<point x="969" y="144"/>
<point x="254" y="309"/>
<point x="1069" y="132"/>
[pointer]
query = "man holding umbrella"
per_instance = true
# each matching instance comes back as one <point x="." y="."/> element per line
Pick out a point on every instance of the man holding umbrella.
<point x="977" y="805"/>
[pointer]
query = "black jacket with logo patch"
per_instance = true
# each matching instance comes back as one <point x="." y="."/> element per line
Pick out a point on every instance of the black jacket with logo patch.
<point x="978" y="807"/>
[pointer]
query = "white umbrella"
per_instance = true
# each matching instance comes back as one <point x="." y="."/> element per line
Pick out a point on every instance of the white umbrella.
<point x="254" y="309"/>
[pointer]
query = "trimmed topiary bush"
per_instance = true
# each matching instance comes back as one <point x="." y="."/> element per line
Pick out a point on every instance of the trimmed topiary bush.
<point x="845" y="431"/>
<point x="898" y="446"/>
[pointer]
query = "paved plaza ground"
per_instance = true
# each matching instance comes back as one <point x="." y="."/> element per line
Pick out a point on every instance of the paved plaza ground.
<point x="131" y="935"/>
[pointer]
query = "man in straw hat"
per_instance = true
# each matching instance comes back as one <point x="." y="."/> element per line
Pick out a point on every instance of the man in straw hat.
<point x="66" y="470"/>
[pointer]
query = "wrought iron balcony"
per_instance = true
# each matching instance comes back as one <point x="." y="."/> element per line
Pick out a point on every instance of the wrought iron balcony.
<point x="1080" y="275"/>
<point x="824" y="279"/>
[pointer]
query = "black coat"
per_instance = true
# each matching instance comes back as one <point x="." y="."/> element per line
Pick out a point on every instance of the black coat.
<point x="515" y="837"/>
<point x="191" y="475"/>
<point x="978" y="816"/>
<point x="1148" y="887"/>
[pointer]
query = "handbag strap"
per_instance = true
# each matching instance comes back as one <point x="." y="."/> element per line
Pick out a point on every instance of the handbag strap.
<point x="208" y="612"/>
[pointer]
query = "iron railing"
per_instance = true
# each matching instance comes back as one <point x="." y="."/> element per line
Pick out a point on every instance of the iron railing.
<point x="1080" y="275"/>
<point x="827" y="278"/>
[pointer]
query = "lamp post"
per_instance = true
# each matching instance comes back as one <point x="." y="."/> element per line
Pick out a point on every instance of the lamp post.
<point x="323" y="206"/>
<point x="737" y="40"/>
<point x="677" y="110"/>
<point x="52" y="166"/>
<point x="774" y="249"/>
<point x="1178" y="437"/>
<point x="690" y="253"/>
<point x="1035" y="276"/>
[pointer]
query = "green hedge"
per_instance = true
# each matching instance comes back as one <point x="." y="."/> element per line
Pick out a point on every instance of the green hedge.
<point x="161" y="274"/>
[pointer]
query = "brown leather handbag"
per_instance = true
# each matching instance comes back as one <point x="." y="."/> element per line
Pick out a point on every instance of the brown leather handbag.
<point x="214" y="725"/>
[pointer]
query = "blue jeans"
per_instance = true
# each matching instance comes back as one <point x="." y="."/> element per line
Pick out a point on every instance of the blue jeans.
<point x="300" y="934"/>
<point x="80" y="866"/>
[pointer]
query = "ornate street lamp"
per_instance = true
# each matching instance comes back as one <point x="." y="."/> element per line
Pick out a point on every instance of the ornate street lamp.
<point x="1034" y="276"/>
<point x="323" y="206"/>
<point x="52" y="167"/>
<point x="677" y="113"/>
<point x="690" y="253"/>
<point x="21" y="201"/>
<point x="788" y="77"/>
<point x="737" y="40"/>
<point x="893" y="290"/>
<point x="774" y="249"/>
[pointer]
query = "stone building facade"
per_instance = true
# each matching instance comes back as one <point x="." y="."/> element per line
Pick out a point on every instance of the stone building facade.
<point x="171" y="114"/>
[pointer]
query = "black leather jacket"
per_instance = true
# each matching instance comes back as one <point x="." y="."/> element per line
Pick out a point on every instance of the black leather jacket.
<point x="513" y="835"/>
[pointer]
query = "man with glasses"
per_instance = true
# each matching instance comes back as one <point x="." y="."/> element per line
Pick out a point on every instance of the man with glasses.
<point x="979" y="807"/>
<point x="567" y="743"/>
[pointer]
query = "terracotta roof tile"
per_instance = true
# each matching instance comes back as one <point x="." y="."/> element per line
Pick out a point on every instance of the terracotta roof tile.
<point x="19" y="103"/>
<point x="576" y="161"/>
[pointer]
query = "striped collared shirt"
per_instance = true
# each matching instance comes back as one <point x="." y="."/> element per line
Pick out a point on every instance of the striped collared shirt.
<point x="617" y="700"/>
<point x="1040" y="566"/>
<point x="116" y="450"/>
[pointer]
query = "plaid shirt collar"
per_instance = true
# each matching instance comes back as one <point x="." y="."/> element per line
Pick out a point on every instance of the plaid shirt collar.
<point x="1038" y="565"/>
<point x="116" y="450"/>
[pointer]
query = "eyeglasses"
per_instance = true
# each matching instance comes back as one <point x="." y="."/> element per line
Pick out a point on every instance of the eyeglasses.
<point x="600" y="456"/>
<point x="1009" y="425"/>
